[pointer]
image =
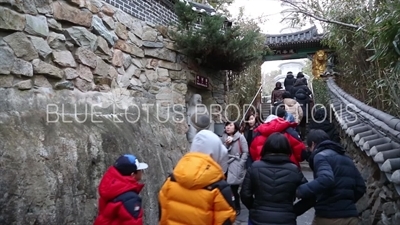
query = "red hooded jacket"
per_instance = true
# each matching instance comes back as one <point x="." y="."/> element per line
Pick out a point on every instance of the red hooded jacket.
<point x="119" y="202"/>
<point x="277" y="125"/>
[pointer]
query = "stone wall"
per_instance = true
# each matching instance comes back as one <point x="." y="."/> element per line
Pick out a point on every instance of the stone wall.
<point x="91" y="46"/>
<point x="80" y="55"/>
<point x="381" y="204"/>
<point x="154" y="11"/>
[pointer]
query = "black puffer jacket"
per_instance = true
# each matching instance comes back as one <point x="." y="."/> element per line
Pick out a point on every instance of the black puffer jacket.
<point x="289" y="82"/>
<point x="337" y="183"/>
<point x="269" y="190"/>
<point x="323" y="122"/>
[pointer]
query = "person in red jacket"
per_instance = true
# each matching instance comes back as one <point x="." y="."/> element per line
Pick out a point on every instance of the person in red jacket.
<point x="119" y="189"/>
<point x="278" y="124"/>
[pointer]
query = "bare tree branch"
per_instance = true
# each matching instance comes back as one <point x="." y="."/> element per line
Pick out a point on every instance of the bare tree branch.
<point x="297" y="9"/>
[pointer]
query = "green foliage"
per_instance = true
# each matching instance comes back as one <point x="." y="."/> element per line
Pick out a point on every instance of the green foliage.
<point x="366" y="39"/>
<point x="321" y="94"/>
<point x="214" y="45"/>
<point x="241" y="94"/>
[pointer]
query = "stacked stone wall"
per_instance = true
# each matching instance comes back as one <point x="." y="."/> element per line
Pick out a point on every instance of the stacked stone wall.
<point x="381" y="204"/>
<point x="90" y="45"/>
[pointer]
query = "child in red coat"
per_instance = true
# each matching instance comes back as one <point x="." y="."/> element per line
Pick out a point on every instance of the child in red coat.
<point x="119" y="189"/>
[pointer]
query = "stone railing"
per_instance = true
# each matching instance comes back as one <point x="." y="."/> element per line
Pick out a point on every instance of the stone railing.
<point x="373" y="131"/>
<point x="377" y="135"/>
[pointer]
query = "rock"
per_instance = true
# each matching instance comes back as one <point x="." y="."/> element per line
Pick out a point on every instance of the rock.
<point x="163" y="31"/>
<point x="37" y="25"/>
<point x="65" y="12"/>
<point x="102" y="47"/>
<point x="64" y="59"/>
<point x="121" y="70"/>
<point x="94" y="6"/>
<point x="81" y="37"/>
<point x="108" y="10"/>
<point x="132" y="71"/>
<point x="109" y="22"/>
<point x="181" y="88"/>
<point x="44" y="6"/>
<point x="151" y="44"/>
<point x="121" y="31"/>
<point x="169" y="65"/>
<point x="24" y="85"/>
<point x="40" y="46"/>
<point x="40" y="67"/>
<point x="128" y="48"/>
<point x="151" y="75"/>
<point x="56" y="41"/>
<point x="389" y="208"/>
<point x="86" y="57"/>
<point x="163" y="75"/>
<point x="25" y="6"/>
<point x="79" y="3"/>
<point x="112" y="72"/>
<point x="178" y="75"/>
<point x="127" y="61"/>
<point x="101" y="30"/>
<point x="135" y="82"/>
<point x="53" y="24"/>
<point x="102" y="81"/>
<point x="6" y="60"/>
<point x="6" y="81"/>
<point x="137" y="62"/>
<point x="149" y="34"/>
<point x="84" y="73"/>
<point x="161" y="53"/>
<point x="11" y="20"/>
<point x="70" y="73"/>
<point x="41" y="81"/>
<point x="64" y="85"/>
<point x="21" y="45"/>
<point x="133" y="24"/>
<point x="118" y="58"/>
<point x="135" y="40"/>
<point x="22" y="68"/>
<point x="171" y="46"/>
<point x="151" y="63"/>
<point x="83" y="85"/>
<point x="101" y="68"/>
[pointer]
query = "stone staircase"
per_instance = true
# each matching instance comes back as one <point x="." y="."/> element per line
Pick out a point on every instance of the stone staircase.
<point x="265" y="110"/>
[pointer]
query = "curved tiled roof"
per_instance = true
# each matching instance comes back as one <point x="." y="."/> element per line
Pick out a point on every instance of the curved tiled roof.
<point x="303" y="36"/>
<point x="373" y="131"/>
<point x="202" y="7"/>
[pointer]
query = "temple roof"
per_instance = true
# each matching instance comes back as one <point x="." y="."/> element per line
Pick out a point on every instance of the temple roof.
<point x="300" y="38"/>
<point x="202" y="7"/>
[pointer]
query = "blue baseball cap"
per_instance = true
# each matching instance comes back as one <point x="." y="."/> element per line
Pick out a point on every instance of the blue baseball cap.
<point x="128" y="164"/>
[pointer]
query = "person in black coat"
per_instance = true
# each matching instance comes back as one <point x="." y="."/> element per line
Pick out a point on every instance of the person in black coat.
<point x="301" y="94"/>
<point x="321" y="120"/>
<point x="269" y="187"/>
<point x="337" y="183"/>
<point x="289" y="81"/>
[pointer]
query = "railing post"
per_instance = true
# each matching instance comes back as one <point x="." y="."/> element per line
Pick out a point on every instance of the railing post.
<point x="251" y="103"/>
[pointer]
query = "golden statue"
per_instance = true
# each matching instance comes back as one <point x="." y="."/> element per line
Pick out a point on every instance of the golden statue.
<point x="319" y="63"/>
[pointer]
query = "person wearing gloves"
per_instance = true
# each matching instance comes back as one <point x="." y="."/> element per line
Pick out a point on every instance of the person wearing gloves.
<point x="196" y="192"/>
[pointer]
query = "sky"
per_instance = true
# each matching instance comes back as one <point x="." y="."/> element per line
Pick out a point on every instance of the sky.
<point x="270" y="11"/>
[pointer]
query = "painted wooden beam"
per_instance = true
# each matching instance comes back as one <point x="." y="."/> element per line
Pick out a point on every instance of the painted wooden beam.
<point x="301" y="53"/>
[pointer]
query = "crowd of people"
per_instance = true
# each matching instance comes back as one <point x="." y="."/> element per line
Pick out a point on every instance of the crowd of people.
<point x="297" y="99"/>
<point x="256" y="163"/>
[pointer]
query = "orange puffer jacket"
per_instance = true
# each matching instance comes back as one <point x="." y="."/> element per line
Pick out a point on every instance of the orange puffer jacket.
<point x="196" y="193"/>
